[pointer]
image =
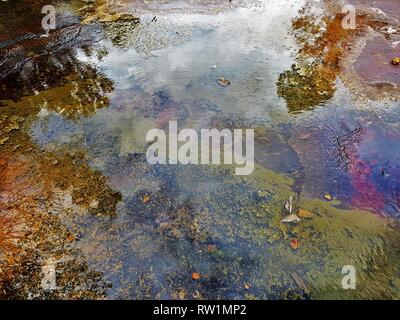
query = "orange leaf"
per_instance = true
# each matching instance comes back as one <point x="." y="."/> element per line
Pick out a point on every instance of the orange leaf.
<point x="195" y="276"/>
<point x="146" y="198"/>
<point x="294" y="244"/>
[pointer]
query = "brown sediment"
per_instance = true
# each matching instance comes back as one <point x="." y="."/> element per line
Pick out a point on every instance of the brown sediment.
<point x="38" y="188"/>
<point x="31" y="232"/>
<point x="32" y="205"/>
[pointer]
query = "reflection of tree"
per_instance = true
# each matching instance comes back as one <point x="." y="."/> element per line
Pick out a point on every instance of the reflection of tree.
<point x="304" y="89"/>
<point x="83" y="90"/>
<point x="32" y="64"/>
<point x="83" y="96"/>
<point x="117" y="26"/>
<point x="311" y="81"/>
<point x="21" y="18"/>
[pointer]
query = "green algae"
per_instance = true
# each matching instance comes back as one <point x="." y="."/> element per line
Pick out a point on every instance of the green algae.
<point x="332" y="239"/>
<point x="349" y="237"/>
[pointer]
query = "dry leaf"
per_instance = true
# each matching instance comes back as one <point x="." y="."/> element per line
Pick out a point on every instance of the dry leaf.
<point x="396" y="61"/>
<point x="195" y="276"/>
<point x="223" y="82"/>
<point x="291" y="218"/>
<point x="305" y="136"/>
<point x="247" y="286"/>
<point x="182" y="294"/>
<point x="289" y="205"/>
<point x="294" y="244"/>
<point x="299" y="281"/>
<point x="304" y="214"/>
<point x="197" y="295"/>
<point x="146" y="198"/>
<point x="328" y="197"/>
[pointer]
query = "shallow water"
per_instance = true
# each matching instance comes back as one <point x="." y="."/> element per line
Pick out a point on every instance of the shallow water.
<point x="147" y="228"/>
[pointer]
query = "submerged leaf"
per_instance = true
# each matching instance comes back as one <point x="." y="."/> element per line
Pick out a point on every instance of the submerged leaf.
<point x="294" y="244"/>
<point x="195" y="276"/>
<point x="224" y="82"/>
<point x="396" y="61"/>
<point x="291" y="218"/>
<point x="304" y="214"/>
<point x="146" y="198"/>
<point x="328" y="197"/>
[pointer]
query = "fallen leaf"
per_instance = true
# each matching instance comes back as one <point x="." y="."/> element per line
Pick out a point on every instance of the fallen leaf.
<point x="328" y="197"/>
<point x="304" y="214"/>
<point x="246" y="286"/>
<point x="176" y="233"/>
<point x="289" y="204"/>
<point x="182" y="294"/>
<point x="224" y="82"/>
<point x="305" y="136"/>
<point x="195" y="276"/>
<point x="396" y="61"/>
<point x="291" y="218"/>
<point x="299" y="281"/>
<point x="146" y="198"/>
<point x="294" y="243"/>
<point x="197" y="295"/>
<point x="211" y="248"/>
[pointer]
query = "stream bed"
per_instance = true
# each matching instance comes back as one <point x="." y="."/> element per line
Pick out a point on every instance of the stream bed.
<point x="83" y="215"/>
